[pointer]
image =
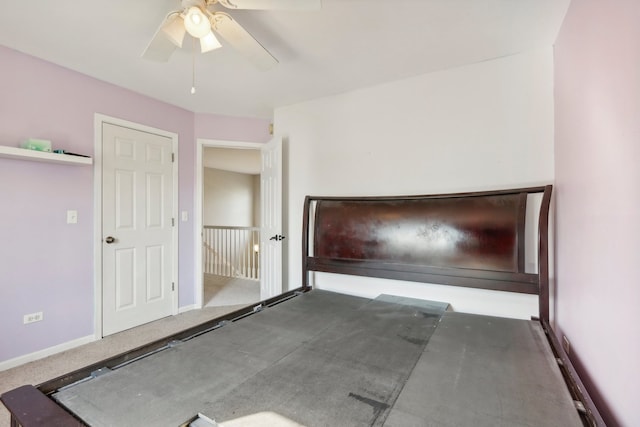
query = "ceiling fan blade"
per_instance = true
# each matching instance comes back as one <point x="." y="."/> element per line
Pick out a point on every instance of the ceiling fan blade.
<point x="272" y="4"/>
<point x="174" y="28"/>
<point x="167" y="38"/>
<point x="242" y="41"/>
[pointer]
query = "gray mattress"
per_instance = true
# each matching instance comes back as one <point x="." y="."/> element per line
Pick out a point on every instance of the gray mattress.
<point x="327" y="359"/>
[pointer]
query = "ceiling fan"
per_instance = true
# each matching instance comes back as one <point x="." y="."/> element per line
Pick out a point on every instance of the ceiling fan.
<point x="201" y="21"/>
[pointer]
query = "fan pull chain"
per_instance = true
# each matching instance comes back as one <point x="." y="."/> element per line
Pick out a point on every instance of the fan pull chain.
<point x="193" y="68"/>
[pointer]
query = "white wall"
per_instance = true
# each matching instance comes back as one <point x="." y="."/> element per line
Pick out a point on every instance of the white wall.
<point x="482" y="126"/>
<point x="232" y="159"/>
<point x="229" y="198"/>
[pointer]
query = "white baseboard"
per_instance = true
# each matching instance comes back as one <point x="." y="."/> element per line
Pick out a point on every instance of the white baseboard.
<point x="40" y="354"/>
<point x="186" y="308"/>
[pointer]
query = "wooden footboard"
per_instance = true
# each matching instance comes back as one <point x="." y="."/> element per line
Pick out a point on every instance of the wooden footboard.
<point x="30" y="407"/>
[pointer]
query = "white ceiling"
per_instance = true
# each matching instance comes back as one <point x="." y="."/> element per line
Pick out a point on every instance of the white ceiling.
<point x="347" y="44"/>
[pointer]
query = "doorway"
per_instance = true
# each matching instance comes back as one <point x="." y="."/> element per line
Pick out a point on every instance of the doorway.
<point x="245" y="236"/>
<point x="231" y="226"/>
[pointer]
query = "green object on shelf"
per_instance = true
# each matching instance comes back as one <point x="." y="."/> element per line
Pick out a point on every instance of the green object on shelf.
<point x="37" y="144"/>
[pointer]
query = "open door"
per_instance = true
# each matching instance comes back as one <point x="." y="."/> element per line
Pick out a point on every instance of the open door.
<point x="271" y="220"/>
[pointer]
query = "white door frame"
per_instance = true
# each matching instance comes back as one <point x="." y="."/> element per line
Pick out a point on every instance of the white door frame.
<point x="99" y="119"/>
<point x="200" y="144"/>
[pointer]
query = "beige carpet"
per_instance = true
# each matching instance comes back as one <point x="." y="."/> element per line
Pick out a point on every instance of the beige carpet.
<point x="220" y="291"/>
<point x="59" y="364"/>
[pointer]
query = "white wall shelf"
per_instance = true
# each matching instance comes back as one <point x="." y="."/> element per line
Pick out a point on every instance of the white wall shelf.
<point x="42" y="156"/>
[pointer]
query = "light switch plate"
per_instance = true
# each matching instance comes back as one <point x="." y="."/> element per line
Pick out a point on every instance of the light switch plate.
<point x="72" y="217"/>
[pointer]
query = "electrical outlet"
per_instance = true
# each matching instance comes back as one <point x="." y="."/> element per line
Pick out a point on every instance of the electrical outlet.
<point x="33" y="317"/>
<point x="566" y="345"/>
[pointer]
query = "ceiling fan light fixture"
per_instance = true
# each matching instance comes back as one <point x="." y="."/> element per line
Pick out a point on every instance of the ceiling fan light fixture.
<point x="174" y="29"/>
<point x="196" y="22"/>
<point x="209" y="42"/>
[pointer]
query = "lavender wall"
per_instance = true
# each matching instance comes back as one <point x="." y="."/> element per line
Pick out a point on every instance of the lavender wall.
<point x="597" y="149"/>
<point x="45" y="264"/>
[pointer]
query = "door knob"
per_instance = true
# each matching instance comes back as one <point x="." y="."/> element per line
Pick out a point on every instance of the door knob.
<point x="109" y="239"/>
<point x="277" y="237"/>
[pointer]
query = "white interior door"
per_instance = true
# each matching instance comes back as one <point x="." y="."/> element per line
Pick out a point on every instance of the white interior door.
<point x="137" y="209"/>
<point x="271" y="220"/>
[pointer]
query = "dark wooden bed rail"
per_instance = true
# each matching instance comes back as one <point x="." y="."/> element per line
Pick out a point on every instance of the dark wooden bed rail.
<point x="33" y="406"/>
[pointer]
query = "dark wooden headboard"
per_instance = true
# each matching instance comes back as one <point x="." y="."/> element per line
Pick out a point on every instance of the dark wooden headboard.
<point x="473" y="240"/>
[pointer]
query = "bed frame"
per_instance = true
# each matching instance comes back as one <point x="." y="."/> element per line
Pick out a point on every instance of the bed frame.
<point x="474" y="240"/>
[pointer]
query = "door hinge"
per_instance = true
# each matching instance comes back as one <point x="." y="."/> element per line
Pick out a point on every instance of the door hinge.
<point x="173" y="286"/>
<point x="173" y="222"/>
<point x="173" y="157"/>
